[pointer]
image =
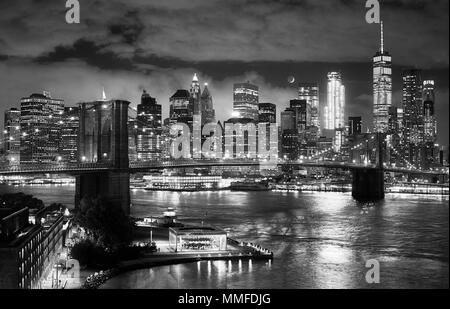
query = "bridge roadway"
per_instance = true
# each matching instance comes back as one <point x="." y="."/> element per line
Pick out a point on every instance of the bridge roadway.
<point x="136" y="167"/>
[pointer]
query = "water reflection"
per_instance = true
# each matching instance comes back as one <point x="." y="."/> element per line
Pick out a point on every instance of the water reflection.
<point x="319" y="239"/>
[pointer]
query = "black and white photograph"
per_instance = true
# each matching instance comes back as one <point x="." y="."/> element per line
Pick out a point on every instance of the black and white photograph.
<point x="223" y="150"/>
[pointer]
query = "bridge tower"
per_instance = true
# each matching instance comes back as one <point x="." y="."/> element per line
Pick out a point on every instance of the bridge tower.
<point x="103" y="140"/>
<point x="368" y="183"/>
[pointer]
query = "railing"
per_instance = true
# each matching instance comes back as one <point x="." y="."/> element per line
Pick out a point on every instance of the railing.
<point x="53" y="167"/>
<point x="73" y="167"/>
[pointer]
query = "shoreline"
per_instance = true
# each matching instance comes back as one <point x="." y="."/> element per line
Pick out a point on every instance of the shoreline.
<point x="156" y="260"/>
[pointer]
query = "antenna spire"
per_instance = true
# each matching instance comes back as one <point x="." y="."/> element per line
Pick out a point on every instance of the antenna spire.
<point x="382" y="37"/>
<point x="103" y="94"/>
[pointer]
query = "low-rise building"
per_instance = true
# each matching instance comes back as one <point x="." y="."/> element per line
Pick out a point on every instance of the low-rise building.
<point x="197" y="238"/>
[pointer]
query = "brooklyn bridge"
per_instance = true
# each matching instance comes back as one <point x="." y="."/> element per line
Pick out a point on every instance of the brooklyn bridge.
<point x="104" y="166"/>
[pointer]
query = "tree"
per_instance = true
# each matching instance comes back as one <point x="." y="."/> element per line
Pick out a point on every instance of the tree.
<point x="106" y="222"/>
<point x="19" y="200"/>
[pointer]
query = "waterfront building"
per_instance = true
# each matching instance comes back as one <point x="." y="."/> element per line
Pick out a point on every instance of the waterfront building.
<point x="28" y="250"/>
<point x="310" y="93"/>
<point x="246" y="100"/>
<point x="197" y="238"/>
<point x="40" y="122"/>
<point x="149" y="128"/>
<point x="267" y="113"/>
<point x="11" y="135"/>
<point x="69" y="134"/>
<point x="382" y="87"/>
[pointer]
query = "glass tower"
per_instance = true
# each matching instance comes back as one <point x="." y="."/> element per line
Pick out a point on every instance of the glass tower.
<point x="382" y="88"/>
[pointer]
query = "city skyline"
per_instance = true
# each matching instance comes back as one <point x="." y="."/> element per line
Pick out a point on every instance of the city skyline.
<point x="76" y="68"/>
<point x="210" y="144"/>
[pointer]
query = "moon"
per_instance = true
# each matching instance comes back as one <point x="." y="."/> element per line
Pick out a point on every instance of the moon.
<point x="291" y="79"/>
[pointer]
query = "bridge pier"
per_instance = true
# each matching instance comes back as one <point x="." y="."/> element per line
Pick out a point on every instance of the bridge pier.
<point x="368" y="184"/>
<point x="113" y="185"/>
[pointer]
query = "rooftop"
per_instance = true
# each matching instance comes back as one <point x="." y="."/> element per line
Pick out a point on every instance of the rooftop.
<point x="197" y="230"/>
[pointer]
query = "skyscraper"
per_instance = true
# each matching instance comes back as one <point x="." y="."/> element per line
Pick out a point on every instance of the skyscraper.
<point x="288" y="120"/>
<point x="334" y="111"/>
<point x="302" y="114"/>
<point x="69" y="134"/>
<point x="149" y="126"/>
<point x="40" y="122"/>
<point x="429" y="117"/>
<point x="413" y="106"/>
<point x="181" y="108"/>
<point x="354" y="125"/>
<point x="413" y="124"/>
<point x="195" y="92"/>
<point x="207" y="109"/>
<point x="267" y="113"/>
<point x="310" y="93"/>
<point x="245" y="100"/>
<point x="11" y="135"/>
<point x="382" y="87"/>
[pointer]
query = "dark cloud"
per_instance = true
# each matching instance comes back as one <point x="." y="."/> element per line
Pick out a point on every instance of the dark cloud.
<point x="89" y="52"/>
<point x="129" y="27"/>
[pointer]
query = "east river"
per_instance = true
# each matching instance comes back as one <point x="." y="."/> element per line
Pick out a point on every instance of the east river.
<point x="319" y="240"/>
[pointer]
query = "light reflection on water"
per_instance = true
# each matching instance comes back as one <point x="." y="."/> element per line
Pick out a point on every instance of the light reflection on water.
<point x="320" y="240"/>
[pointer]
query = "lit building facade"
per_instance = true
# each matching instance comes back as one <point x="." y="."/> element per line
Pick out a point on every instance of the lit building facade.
<point x="40" y="121"/>
<point x="302" y="112"/>
<point x="195" y="239"/>
<point x="69" y="134"/>
<point x="382" y="88"/>
<point x="267" y="113"/>
<point x="195" y="93"/>
<point x="241" y="138"/>
<point x="11" y="135"/>
<point x="413" y="106"/>
<point x="149" y="128"/>
<point x="310" y="93"/>
<point x="413" y="121"/>
<point x="28" y="249"/>
<point x="429" y="118"/>
<point x="246" y="100"/>
<point x="334" y="110"/>
<point x="181" y="107"/>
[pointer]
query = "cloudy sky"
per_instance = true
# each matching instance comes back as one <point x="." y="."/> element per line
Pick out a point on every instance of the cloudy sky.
<point x="128" y="45"/>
